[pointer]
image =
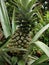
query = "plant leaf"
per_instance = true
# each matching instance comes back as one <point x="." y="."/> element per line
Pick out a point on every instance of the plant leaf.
<point x="42" y="46"/>
<point x="30" y="4"/>
<point x="21" y="62"/>
<point x="25" y="2"/>
<point x="40" y="60"/>
<point x="38" y="34"/>
<point x="13" y="22"/>
<point x="5" y="20"/>
<point x="14" y="60"/>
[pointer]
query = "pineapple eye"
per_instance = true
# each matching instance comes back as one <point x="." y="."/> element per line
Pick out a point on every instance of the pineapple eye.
<point x="22" y="38"/>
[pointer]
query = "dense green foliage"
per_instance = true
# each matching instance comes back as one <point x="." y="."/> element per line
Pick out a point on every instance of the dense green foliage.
<point x="12" y="11"/>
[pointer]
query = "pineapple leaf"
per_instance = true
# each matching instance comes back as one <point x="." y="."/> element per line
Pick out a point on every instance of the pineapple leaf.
<point x="38" y="34"/>
<point x="13" y="22"/>
<point x="5" y="20"/>
<point x="5" y="57"/>
<point x="40" y="60"/>
<point x="30" y="4"/>
<point x="42" y="46"/>
<point x="25" y="2"/>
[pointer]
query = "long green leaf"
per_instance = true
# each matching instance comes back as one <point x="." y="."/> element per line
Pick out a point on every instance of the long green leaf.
<point x="38" y="34"/>
<point x="5" y="19"/>
<point x="42" y="46"/>
<point x="7" y="59"/>
<point x="1" y="61"/>
<point x="40" y="60"/>
<point x="13" y="22"/>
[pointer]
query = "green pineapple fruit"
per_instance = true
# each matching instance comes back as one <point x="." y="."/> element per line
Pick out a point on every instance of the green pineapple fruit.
<point x="24" y="14"/>
<point x="21" y="38"/>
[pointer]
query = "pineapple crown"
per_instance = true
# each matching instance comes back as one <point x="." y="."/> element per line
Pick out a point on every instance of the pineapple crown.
<point x="26" y="13"/>
<point x="25" y="9"/>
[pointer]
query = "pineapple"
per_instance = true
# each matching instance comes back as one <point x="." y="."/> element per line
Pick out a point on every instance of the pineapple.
<point x="20" y="40"/>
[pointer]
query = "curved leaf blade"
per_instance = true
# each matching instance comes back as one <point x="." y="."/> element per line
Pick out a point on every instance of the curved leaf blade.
<point x="39" y="33"/>
<point x="42" y="46"/>
<point x="5" y="19"/>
